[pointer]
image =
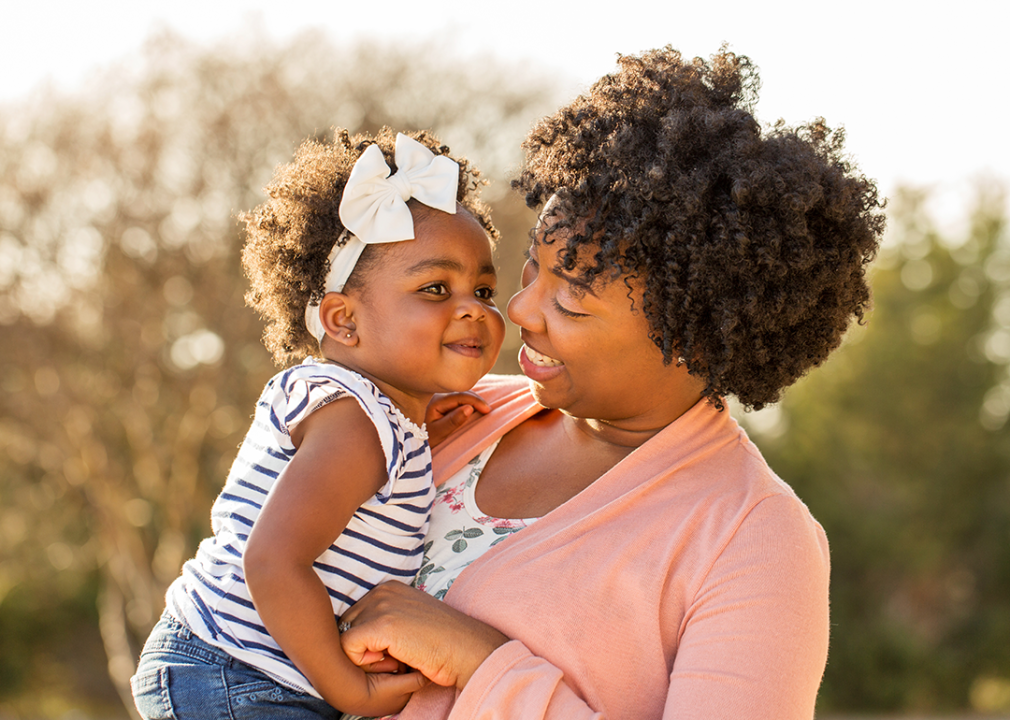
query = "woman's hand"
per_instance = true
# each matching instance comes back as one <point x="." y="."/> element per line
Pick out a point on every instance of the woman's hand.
<point x="447" y="412"/>
<point x="404" y="623"/>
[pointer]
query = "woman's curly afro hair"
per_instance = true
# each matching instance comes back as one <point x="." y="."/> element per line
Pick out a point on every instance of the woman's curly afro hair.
<point x="751" y="246"/>
<point x="289" y="237"/>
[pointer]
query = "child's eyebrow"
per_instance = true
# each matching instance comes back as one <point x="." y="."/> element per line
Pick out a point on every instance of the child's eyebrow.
<point x="447" y="264"/>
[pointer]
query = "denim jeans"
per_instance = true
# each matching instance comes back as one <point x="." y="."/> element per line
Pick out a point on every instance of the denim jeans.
<point x="180" y="677"/>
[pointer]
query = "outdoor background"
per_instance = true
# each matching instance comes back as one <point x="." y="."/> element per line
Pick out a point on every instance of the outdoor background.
<point x="131" y="135"/>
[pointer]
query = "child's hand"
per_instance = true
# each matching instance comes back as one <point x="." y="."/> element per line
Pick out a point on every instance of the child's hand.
<point x="387" y="693"/>
<point x="447" y="412"/>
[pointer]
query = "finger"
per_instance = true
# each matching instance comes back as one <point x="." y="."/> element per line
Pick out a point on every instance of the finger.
<point x="472" y="399"/>
<point x="404" y="684"/>
<point x="480" y="405"/>
<point x="458" y="416"/>
<point x="440" y="406"/>
<point x="358" y="649"/>
<point x="385" y="665"/>
<point x="443" y="427"/>
<point x="347" y="619"/>
<point x="443" y="404"/>
<point x="373" y="657"/>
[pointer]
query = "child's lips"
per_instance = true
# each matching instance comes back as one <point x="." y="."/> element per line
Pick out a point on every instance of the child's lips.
<point x="470" y="347"/>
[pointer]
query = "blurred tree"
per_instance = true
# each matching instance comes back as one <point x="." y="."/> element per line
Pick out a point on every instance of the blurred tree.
<point x="901" y="448"/>
<point x="128" y="362"/>
<point x="129" y="367"/>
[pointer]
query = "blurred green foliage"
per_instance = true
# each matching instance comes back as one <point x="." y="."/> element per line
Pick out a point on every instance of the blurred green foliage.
<point x="129" y="367"/>
<point x="901" y="448"/>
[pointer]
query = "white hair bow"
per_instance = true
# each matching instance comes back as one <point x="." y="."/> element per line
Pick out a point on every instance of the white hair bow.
<point x="374" y="209"/>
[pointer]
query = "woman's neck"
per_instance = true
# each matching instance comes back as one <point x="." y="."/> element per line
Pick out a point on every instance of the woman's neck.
<point x="608" y="433"/>
<point x="636" y="430"/>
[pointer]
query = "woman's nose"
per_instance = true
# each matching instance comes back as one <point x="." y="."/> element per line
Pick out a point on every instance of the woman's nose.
<point x="523" y="309"/>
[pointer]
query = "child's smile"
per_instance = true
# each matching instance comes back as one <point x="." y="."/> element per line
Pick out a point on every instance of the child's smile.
<point x="470" y="347"/>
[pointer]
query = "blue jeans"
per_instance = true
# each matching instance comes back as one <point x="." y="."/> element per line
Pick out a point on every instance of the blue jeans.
<point x="180" y="677"/>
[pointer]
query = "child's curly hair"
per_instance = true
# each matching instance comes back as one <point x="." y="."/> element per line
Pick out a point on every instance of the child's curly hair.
<point x="289" y="237"/>
<point x="753" y="246"/>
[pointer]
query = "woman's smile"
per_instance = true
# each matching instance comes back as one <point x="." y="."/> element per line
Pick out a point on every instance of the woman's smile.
<point x="538" y="367"/>
<point x="539" y="359"/>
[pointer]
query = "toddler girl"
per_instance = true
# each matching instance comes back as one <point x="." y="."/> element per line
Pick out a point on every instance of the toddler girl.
<point x="380" y="262"/>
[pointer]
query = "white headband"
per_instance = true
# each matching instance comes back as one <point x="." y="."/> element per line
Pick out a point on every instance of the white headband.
<point x="374" y="209"/>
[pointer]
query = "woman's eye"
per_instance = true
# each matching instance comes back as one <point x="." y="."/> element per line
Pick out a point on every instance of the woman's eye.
<point x="566" y="312"/>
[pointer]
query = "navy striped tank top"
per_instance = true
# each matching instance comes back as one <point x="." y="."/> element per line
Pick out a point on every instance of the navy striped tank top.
<point x="382" y="541"/>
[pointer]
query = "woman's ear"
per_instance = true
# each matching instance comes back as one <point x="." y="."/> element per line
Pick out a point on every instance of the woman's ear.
<point x="336" y="313"/>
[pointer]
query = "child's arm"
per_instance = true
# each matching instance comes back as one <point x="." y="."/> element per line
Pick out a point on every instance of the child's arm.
<point x="338" y="465"/>
<point x="447" y="412"/>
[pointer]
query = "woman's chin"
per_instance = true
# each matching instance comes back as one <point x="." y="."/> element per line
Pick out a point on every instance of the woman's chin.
<point x="550" y="396"/>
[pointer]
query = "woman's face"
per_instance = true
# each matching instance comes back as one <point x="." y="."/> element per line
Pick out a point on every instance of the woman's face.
<point x="587" y="349"/>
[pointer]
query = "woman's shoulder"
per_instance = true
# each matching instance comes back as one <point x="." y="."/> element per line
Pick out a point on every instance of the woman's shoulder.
<point x="767" y="512"/>
<point x="497" y="389"/>
<point x="706" y="464"/>
<point x="511" y="402"/>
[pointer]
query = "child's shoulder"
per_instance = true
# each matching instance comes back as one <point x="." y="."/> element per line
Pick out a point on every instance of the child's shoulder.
<point x="317" y="382"/>
<point x="316" y="372"/>
<point x="305" y="387"/>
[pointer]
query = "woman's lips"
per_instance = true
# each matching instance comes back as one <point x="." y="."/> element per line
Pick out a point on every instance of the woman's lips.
<point x="537" y="366"/>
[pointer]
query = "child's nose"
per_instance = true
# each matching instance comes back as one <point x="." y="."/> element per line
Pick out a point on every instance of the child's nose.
<point x="471" y="308"/>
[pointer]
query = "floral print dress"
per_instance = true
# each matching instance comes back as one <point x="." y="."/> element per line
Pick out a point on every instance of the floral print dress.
<point x="459" y="532"/>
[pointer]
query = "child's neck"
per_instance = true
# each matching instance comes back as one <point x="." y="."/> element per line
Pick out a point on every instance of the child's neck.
<point x="413" y="406"/>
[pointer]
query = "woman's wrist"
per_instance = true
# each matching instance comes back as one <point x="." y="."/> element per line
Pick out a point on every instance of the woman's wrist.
<point x="486" y="641"/>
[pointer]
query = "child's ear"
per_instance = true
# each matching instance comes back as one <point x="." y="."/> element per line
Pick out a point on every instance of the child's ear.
<point x="336" y="313"/>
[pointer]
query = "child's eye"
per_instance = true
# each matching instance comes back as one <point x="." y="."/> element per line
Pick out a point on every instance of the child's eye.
<point x="435" y="289"/>
<point x="486" y="293"/>
<point x="566" y="312"/>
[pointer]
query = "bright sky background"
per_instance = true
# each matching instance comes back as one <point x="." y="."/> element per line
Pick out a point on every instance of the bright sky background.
<point x="923" y="89"/>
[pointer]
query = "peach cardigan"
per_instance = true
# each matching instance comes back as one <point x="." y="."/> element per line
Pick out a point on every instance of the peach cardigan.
<point x="689" y="582"/>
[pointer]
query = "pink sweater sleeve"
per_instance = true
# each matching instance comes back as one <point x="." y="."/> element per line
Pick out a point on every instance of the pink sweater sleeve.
<point x="753" y="643"/>
<point x="755" y="639"/>
<point x="513" y="683"/>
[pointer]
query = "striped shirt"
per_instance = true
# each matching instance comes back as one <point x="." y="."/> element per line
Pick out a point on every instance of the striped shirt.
<point x="382" y="541"/>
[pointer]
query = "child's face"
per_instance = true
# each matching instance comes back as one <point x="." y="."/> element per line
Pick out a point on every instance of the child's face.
<point x="425" y="318"/>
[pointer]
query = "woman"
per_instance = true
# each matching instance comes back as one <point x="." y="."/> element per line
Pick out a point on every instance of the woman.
<point x="647" y="561"/>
